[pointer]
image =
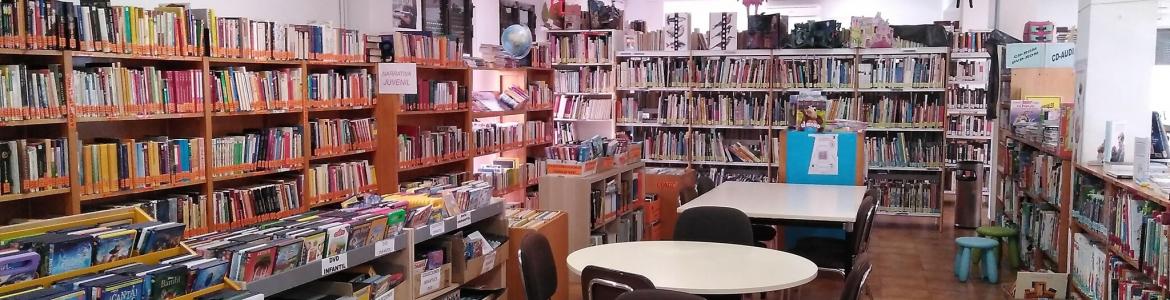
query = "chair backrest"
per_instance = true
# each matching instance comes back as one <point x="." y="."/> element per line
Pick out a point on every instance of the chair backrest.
<point x="599" y="283"/>
<point x="704" y="184"/>
<point x="538" y="269"/>
<point x="865" y="215"/>
<point x="856" y="279"/>
<point x="656" y="294"/>
<point x="714" y="224"/>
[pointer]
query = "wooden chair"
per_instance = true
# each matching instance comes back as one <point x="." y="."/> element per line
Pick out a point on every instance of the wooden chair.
<point x="538" y="268"/>
<point x="599" y="283"/>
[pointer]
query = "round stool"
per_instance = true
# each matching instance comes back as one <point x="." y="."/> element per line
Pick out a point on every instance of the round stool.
<point x="963" y="257"/>
<point x="1006" y="235"/>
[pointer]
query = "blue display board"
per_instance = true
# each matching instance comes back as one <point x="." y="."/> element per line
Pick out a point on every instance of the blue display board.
<point x="799" y="154"/>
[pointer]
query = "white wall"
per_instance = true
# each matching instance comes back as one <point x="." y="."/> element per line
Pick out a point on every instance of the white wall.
<point x="1159" y="90"/>
<point x="1014" y="13"/>
<point x="284" y="11"/>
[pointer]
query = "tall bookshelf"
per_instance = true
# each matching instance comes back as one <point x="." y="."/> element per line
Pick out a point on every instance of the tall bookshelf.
<point x="966" y="142"/>
<point x="779" y="112"/>
<point x="564" y="62"/>
<point x="207" y="124"/>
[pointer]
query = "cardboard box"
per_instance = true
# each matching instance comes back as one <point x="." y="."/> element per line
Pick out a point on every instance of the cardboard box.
<point x="469" y="269"/>
<point x="1040" y="55"/>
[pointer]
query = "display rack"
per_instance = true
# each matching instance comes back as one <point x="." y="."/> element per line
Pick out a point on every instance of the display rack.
<point x="571" y="195"/>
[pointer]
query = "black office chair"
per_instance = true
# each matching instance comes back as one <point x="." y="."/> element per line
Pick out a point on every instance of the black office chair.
<point x="760" y="233"/>
<point x="855" y="282"/>
<point x="538" y="269"/>
<point x="837" y="255"/>
<point x="656" y="294"/>
<point x="599" y="283"/>
<point x="714" y="224"/>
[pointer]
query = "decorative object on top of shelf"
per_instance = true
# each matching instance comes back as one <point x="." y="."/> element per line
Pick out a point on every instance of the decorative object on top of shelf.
<point x="724" y="33"/>
<point x="606" y="16"/>
<point x="1039" y="31"/>
<point x="406" y="14"/>
<point x="816" y="34"/>
<point x="517" y="41"/>
<point x="678" y="30"/>
<point x="766" y="31"/>
<point x="872" y="32"/>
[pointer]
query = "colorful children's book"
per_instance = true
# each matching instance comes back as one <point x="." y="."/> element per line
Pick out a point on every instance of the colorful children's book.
<point x="208" y="274"/>
<point x="67" y="253"/>
<point x="314" y="246"/>
<point x="166" y="283"/>
<point x="258" y="263"/>
<point x="359" y="234"/>
<point x="18" y="266"/>
<point x="338" y="238"/>
<point x="113" y="245"/>
<point x="288" y="255"/>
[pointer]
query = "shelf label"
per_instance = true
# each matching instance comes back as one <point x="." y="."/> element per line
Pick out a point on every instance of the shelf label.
<point x="489" y="261"/>
<point x="463" y="220"/>
<point x="334" y="264"/>
<point x="384" y="247"/>
<point x="438" y="228"/>
<point x="386" y="296"/>
<point x="397" y="78"/>
<point x="255" y="297"/>
<point x="430" y="281"/>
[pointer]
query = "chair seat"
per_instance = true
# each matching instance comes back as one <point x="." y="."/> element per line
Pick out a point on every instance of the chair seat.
<point x="763" y="232"/>
<point x="996" y="231"/>
<point x="976" y="242"/>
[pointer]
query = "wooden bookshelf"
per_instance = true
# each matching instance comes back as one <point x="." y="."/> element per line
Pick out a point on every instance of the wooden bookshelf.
<point x="571" y="194"/>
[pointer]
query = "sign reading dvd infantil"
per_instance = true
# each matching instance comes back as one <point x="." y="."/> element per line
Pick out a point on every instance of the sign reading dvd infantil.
<point x="397" y="78"/>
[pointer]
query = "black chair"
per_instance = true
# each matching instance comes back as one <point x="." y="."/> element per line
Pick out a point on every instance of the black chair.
<point x="714" y="224"/>
<point x="656" y="294"/>
<point x="837" y="255"/>
<point x="760" y="233"/>
<point x="855" y="282"/>
<point x="538" y="269"/>
<point x="599" y="283"/>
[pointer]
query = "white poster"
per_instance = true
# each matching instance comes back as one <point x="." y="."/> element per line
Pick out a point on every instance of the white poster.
<point x="678" y="30"/>
<point x="723" y="33"/>
<point x="397" y="78"/>
<point x="824" y="155"/>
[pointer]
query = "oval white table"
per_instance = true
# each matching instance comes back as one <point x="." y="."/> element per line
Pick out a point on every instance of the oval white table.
<point x="699" y="267"/>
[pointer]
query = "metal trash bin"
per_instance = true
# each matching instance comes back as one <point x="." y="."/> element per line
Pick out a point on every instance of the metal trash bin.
<point x="968" y="193"/>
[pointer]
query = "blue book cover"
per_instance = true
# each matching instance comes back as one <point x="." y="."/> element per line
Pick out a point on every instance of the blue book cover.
<point x="208" y="274"/>
<point x="68" y="254"/>
<point x="113" y="246"/>
<point x="184" y="147"/>
<point x="130" y="289"/>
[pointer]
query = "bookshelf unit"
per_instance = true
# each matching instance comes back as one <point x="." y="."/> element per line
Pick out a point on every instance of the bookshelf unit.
<point x="579" y="54"/>
<point x="782" y="67"/>
<point x="970" y="136"/>
<point x="572" y="195"/>
<point x="207" y="125"/>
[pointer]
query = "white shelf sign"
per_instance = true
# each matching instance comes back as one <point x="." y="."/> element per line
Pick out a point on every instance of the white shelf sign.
<point x="489" y="261"/>
<point x="386" y="296"/>
<point x="397" y="78"/>
<point x="334" y="264"/>
<point x="384" y="247"/>
<point x="430" y="281"/>
<point x="438" y="228"/>
<point x="463" y="220"/>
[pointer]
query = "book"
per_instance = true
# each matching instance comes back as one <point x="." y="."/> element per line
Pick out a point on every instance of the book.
<point x="258" y="263"/>
<point x="653" y="72"/>
<point x="341" y="88"/>
<point x="337" y="239"/>
<point x="288" y="255"/>
<point x="166" y="283"/>
<point x="111" y="90"/>
<point x="207" y="274"/>
<point x="329" y="182"/>
<point x="18" y="266"/>
<point x="588" y="47"/>
<point x="584" y="80"/>
<point x="160" y="237"/>
<point x="113" y="245"/>
<point x="235" y="89"/>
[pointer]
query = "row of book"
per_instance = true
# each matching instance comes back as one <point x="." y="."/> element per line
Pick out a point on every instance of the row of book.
<point x="257" y="149"/>
<point x="971" y="41"/>
<point x="246" y="202"/>
<point x="585" y="48"/>
<point x="490" y="137"/>
<point x="587" y="149"/>
<point x="1040" y="173"/>
<point x="236" y="89"/>
<point x="1089" y="207"/>
<point x="667" y="108"/>
<point x="653" y="40"/>
<point x="325" y="183"/>
<point x="737" y="109"/>
<point x="966" y="97"/>
<point x="581" y="108"/>
<point x="110" y="165"/>
<point x="823" y="72"/>
<point x="439" y="197"/>
<point x="540" y="95"/>
<point x="258" y="252"/>
<point x="187" y="208"/>
<point x="536" y="132"/>
<point x="973" y="71"/>
<point x="32" y="165"/>
<point x="31" y="93"/>
<point x="901" y="150"/>
<point x="504" y="174"/>
<point x="564" y="132"/>
<point x="416" y="146"/>
<point x="426" y="48"/>
<point x="906" y="195"/>
<point x="355" y="87"/>
<point x="969" y="125"/>
<point x="967" y="151"/>
<point x="59" y="251"/>
<point x="1089" y="260"/>
<point x="176" y="30"/>
<point x="585" y="80"/>
<point x="541" y="55"/>
<point x="915" y="71"/>
<point x="719" y="175"/>
<point x="730" y="72"/>
<point x="627" y="228"/>
<point x="118" y="91"/>
<point x="530" y="218"/>
<point x="604" y="203"/>
<point x="337" y="136"/>
<point x="655" y="72"/>
<point x="889" y="111"/>
<point x="436" y="95"/>
<point x="1040" y="226"/>
<point x="706" y="147"/>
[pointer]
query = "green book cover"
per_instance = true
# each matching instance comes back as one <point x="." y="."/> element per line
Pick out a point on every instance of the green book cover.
<point x="168" y="283"/>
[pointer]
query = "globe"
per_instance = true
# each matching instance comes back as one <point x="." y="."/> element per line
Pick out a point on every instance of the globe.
<point x="516" y="40"/>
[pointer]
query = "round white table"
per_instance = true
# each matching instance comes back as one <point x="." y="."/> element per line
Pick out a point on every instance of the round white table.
<point x="699" y="267"/>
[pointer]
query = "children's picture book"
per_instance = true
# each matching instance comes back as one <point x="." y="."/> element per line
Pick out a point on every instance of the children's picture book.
<point x="167" y="283"/>
<point x="258" y="263"/>
<point x="810" y="111"/>
<point x="129" y="289"/>
<point x="68" y="253"/>
<point x="113" y="246"/>
<point x="359" y="234"/>
<point x="338" y="238"/>
<point x="378" y="228"/>
<point x="1024" y="112"/>
<point x="288" y="255"/>
<point x="208" y="274"/>
<point x="314" y="246"/>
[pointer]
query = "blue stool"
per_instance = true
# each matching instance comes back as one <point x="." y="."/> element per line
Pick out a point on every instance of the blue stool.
<point x="963" y="257"/>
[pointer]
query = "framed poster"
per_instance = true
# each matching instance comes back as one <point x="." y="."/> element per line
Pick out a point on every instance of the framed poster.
<point x="407" y="16"/>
